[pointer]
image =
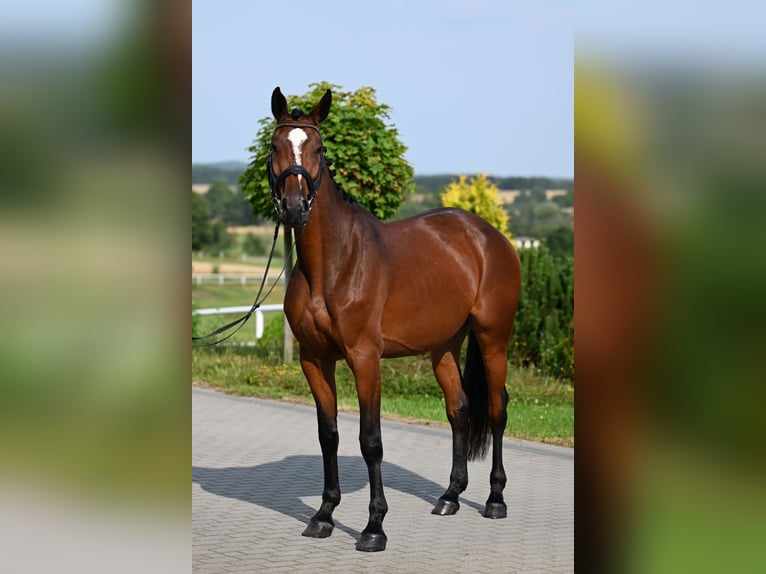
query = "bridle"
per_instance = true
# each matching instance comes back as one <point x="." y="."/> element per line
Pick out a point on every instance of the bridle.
<point x="276" y="182"/>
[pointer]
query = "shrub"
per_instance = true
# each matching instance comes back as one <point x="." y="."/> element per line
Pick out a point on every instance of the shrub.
<point x="195" y="322"/>
<point x="544" y="330"/>
<point x="253" y="244"/>
<point x="480" y="196"/>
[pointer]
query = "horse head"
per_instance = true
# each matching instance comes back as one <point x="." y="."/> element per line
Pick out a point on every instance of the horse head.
<point x="296" y="159"/>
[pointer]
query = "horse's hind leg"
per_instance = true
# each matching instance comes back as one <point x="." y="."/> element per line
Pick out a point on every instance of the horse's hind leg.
<point x="447" y="371"/>
<point x="321" y="378"/>
<point x="496" y="366"/>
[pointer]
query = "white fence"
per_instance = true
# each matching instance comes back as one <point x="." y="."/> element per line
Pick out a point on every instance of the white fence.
<point x="526" y="242"/>
<point x="241" y="311"/>
<point x="233" y="279"/>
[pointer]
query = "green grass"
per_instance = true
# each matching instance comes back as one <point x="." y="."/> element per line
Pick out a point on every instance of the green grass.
<point x="231" y="295"/>
<point x="254" y="260"/>
<point x="539" y="409"/>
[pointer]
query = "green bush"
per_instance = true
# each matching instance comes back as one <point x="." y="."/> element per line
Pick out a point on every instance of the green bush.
<point x="195" y="322"/>
<point x="270" y="345"/>
<point x="544" y="331"/>
<point x="253" y="244"/>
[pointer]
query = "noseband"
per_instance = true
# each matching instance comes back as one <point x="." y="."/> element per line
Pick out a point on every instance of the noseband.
<point x="276" y="182"/>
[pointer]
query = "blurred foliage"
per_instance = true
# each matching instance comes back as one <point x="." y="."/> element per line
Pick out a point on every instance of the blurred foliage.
<point x="530" y="213"/>
<point x="671" y="159"/>
<point x="366" y="151"/>
<point x="93" y="240"/>
<point x="253" y="244"/>
<point x="227" y="205"/>
<point x="433" y="184"/>
<point x="228" y="172"/>
<point x="202" y="228"/>
<point x="477" y="195"/>
<point x="533" y="215"/>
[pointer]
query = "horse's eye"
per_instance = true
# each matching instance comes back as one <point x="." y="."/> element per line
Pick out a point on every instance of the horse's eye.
<point x="273" y="148"/>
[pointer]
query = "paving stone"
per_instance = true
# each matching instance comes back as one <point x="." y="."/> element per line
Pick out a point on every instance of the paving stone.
<point x="257" y="480"/>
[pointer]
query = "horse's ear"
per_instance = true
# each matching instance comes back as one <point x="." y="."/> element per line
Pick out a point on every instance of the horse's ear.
<point x="322" y="109"/>
<point x="278" y="103"/>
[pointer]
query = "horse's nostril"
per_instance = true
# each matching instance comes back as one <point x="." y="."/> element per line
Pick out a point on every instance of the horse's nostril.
<point x="284" y="203"/>
<point x="305" y="204"/>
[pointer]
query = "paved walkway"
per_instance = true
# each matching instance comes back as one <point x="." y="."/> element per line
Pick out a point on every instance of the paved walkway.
<point x="257" y="479"/>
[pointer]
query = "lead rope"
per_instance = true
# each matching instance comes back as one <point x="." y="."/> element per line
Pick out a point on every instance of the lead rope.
<point x="256" y="303"/>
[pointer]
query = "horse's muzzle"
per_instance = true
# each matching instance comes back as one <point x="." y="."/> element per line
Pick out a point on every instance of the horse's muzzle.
<point x="294" y="212"/>
<point x="293" y="207"/>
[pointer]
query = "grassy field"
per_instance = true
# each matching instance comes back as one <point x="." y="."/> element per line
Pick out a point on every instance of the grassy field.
<point x="231" y="295"/>
<point x="540" y="408"/>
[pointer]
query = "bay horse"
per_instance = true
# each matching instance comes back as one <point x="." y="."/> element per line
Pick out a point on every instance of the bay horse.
<point x="363" y="290"/>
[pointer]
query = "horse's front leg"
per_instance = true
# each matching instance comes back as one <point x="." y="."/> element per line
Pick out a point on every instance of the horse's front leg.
<point x="366" y="369"/>
<point x="321" y="379"/>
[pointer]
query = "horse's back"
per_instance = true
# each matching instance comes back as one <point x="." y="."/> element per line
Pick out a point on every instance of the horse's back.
<point x="455" y="235"/>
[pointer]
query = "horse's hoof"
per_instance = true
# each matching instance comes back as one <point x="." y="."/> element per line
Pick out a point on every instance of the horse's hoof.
<point x="496" y="510"/>
<point x="371" y="542"/>
<point x="445" y="507"/>
<point x="318" y="529"/>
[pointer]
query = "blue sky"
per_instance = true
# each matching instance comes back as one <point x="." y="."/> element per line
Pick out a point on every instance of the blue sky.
<point x="474" y="85"/>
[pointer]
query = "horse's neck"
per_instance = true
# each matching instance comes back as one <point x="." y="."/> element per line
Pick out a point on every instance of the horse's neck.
<point x="322" y="242"/>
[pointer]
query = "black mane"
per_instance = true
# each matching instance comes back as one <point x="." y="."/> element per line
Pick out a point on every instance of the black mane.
<point x="346" y="196"/>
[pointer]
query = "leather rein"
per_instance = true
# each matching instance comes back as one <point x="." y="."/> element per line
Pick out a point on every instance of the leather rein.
<point x="274" y="185"/>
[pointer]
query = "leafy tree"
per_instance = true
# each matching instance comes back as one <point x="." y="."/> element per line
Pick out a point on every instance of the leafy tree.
<point x="560" y="242"/>
<point x="366" y="151"/>
<point x="531" y="196"/>
<point x="222" y="240"/>
<point x="532" y="215"/>
<point x="210" y="172"/>
<point x="547" y="215"/>
<point x="206" y="230"/>
<point x="202" y="233"/>
<point x="228" y="205"/>
<point x="253" y="244"/>
<point x="480" y="196"/>
<point x="432" y="184"/>
<point x="218" y="198"/>
<point x="565" y="200"/>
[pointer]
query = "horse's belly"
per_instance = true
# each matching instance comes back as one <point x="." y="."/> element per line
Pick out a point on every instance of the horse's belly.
<point x="417" y="333"/>
<point x="426" y="313"/>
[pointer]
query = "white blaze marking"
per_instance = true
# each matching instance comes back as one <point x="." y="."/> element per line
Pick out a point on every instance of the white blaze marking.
<point x="297" y="136"/>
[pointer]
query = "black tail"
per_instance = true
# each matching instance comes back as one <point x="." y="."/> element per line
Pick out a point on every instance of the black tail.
<point x="475" y="387"/>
